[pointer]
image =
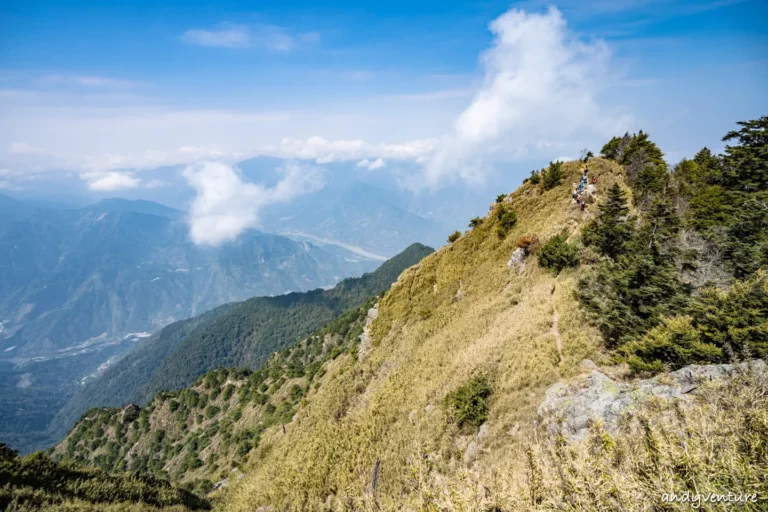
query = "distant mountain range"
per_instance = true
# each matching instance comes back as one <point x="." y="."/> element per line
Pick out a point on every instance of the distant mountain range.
<point x="237" y="335"/>
<point x="79" y="287"/>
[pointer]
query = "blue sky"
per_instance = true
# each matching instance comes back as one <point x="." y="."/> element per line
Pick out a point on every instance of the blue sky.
<point x="107" y="91"/>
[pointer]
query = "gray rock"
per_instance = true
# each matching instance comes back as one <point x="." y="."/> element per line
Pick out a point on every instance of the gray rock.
<point x="471" y="452"/>
<point x="572" y="406"/>
<point x="588" y="363"/>
<point x="365" y="338"/>
<point x="459" y="293"/>
<point x="517" y="260"/>
<point x="483" y="431"/>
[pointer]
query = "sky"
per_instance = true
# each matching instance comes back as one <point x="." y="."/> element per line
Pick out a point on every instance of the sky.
<point x="433" y="93"/>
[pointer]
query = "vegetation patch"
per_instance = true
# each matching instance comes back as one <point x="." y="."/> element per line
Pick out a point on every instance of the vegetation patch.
<point x="556" y="254"/>
<point x="468" y="404"/>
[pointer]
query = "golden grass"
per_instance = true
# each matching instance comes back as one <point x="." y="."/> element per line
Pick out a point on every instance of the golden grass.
<point x="426" y="344"/>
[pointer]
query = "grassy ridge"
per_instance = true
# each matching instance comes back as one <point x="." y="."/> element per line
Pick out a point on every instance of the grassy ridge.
<point x="428" y="344"/>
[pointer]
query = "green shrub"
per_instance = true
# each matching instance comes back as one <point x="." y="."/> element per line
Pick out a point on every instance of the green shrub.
<point x="454" y="236"/>
<point x="477" y="221"/>
<point x="552" y="176"/>
<point x="556" y="253"/>
<point x="506" y="219"/>
<point x="674" y="344"/>
<point x="468" y="404"/>
<point x="501" y="197"/>
<point x="211" y="411"/>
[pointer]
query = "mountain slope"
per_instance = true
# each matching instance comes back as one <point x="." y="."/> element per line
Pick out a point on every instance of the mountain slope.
<point x="426" y="344"/>
<point x="243" y="334"/>
<point x="79" y="288"/>
<point x="201" y="434"/>
<point x="124" y="381"/>
<point x="442" y="411"/>
<point x="70" y="276"/>
<point x="37" y="483"/>
<point x="469" y="388"/>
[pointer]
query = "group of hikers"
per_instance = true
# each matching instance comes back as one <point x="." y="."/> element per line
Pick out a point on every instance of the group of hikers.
<point x="582" y="184"/>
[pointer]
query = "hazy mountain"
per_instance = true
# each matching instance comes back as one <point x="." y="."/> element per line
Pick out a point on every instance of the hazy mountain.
<point x="80" y="287"/>
<point x="243" y="334"/>
<point x="83" y="276"/>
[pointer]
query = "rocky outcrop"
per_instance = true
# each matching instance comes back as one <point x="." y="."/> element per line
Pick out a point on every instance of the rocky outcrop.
<point x="517" y="260"/>
<point x="130" y="413"/>
<point x="365" y="339"/>
<point x="572" y="406"/>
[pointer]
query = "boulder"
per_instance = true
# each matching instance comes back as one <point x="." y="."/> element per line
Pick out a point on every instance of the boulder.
<point x="572" y="406"/>
<point x="517" y="260"/>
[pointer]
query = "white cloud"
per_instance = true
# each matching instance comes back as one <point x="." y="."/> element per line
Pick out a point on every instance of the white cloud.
<point x="244" y="36"/>
<point x="540" y="91"/>
<point x="108" y="181"/>
<point x="226" y="205"/>
<point x="367" y="164"/>
<point x="22" y="148"/>
<point x="326" y="151"/>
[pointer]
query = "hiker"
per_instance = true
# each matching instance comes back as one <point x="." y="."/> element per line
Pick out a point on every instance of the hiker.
<point x="594" y="179"/>
<point x="583" y="205"/>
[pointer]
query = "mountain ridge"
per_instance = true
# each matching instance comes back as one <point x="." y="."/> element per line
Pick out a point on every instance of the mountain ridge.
<point x="246" y="334"/>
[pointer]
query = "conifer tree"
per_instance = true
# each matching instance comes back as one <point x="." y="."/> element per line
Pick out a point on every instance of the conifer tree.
<point x="612" y="230"/>
<point x="746" y="164"/>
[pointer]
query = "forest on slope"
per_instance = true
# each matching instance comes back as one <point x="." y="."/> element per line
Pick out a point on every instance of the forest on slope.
<point x="236" y="335"/>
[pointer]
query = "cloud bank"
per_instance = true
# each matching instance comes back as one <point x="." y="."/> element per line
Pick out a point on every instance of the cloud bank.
<point x="326" y="151"/>
<point x="540" y="89"/>
<point x="226" y="205"/>
<point x="109" y="181"/>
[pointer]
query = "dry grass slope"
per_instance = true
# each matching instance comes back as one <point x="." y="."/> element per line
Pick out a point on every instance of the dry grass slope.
<point x="427" y="343"/>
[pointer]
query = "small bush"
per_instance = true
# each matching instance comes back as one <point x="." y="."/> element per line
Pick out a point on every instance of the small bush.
<point x="535" y="177"/>
<point x="477" y="221"/>
<point x="211" y="411"/>
<point x="528" y="243"/>
<point x="501" y="197"/>
<point x="507" y="218"/>
<point x="454" y="236"/>
<point x="557" y="254"/>
<point x="552" y="176"/>
<point x="468" y="404"/>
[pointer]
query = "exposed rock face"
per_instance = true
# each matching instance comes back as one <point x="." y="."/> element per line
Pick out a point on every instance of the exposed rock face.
<point x="365" y="338"/>
<point x="459" y="293"/>
<point x="575" y="404"/>
<point x="517" y="260"/>
<point x="130" y="413"/>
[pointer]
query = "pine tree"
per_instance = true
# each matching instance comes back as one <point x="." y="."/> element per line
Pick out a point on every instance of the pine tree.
<point x="613" y="229"/>
<point x="641" y="145"/>
<point x="746" y="164"/>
